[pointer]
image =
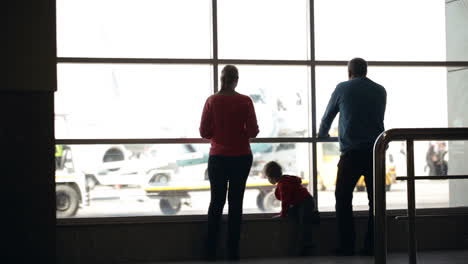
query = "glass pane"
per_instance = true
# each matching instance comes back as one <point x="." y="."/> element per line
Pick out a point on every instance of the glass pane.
<point x="130" y="101"/>
<point x="416" y="96"/>
<point x="328" y="155"/>
<point x="430" y="159"/>
<point x="166" y="179"/>
<point x="263" y="29"/>
<point x="280" y="95"/>
<point x="368" y="29"/>
<point x="294" y="159"/>
<point x="456" y="162"/>
<point x="145" y="28"/>
<point x="433" y="158"/>
<point x="457" y="85"/>
<point x="457" y="35"/>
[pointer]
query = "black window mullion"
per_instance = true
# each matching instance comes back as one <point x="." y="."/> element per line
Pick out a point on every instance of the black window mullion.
<point x="214" y="13"/>
<point x="313" y="101"/>
<point x="95" y="60"/>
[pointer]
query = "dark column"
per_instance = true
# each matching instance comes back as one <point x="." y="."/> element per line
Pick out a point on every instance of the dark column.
<point x="27" y="132"/>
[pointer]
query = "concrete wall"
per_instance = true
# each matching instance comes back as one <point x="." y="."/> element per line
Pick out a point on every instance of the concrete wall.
<point x="176" y="240"/>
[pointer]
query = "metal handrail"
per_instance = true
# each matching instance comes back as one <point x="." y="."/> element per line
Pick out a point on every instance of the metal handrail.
<point x="380" y="218"/>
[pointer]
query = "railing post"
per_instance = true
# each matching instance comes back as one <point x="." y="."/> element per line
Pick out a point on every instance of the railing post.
<point x="380" y="217"/>
<point x="411" y="201"/>
<point x="380" y="224"/>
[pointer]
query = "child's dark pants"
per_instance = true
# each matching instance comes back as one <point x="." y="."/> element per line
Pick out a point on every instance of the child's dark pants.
<point x="304" y="219"/>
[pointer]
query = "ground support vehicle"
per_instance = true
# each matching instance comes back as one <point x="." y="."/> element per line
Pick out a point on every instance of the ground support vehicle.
<point x="115" y="165"/>
<point x="127" y="174"/>
<point x="172" y="196"/>
<point x="390" y="178"/>
<point x="329" y="156"/>
<point x="71" y="191"/>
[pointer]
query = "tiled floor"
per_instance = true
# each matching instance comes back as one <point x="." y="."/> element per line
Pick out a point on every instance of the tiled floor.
<point x="433" y="257"/>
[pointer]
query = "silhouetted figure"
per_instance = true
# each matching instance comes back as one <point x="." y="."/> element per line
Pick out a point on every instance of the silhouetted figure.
<point x="298" y="99"/>
<point x="279" y="105"/>
<point x="298" y="205"/>
<point x="441" y="166"/>
<point x="361" y="104"/>
<point x="229" y="121"/>
<point x="431" y="159"/>
<point x="58" y="157"/>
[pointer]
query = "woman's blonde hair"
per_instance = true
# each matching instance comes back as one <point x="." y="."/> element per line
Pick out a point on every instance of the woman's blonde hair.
<point x="229" y="74"/>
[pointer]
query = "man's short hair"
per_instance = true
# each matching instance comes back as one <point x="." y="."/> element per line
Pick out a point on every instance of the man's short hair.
<point x="229" y="74"/>
<point x="357" y="67"/>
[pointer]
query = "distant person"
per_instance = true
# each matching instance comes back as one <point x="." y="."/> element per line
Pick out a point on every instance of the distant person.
<point x="441" y="165"/>
<point x="298" y="99"/>
<point x="361" y="104"/>
<point x="229" y="121"/>
<point x="431" y="159"/>
<point x="58" y="157"/>
<point x="298" y="205"/>
<point x="279" y="105"/>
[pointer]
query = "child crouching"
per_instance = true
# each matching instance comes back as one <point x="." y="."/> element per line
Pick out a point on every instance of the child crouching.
<point x="298" y="205"/>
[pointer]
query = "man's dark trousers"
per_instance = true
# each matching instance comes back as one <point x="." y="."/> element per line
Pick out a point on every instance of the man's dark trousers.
<point x="351" y="166"/>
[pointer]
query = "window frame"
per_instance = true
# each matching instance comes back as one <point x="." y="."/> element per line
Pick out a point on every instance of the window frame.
<point x="214" y="62"/>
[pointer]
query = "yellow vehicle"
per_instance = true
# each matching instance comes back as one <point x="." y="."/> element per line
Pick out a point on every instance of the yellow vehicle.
<point x="327" y="162"/>
<point x="390" y="178"/>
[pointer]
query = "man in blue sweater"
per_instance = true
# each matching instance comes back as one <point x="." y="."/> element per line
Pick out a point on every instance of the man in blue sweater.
<point x="361" y="104"/>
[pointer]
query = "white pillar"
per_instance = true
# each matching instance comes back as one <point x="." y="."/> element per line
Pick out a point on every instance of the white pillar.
<point x="457" y="95"/>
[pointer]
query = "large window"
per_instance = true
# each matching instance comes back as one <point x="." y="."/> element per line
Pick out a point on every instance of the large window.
<point x="280" y="95"/>
<point x="132" y="100"/>
<point x="263" y="29"/>
<point x="133" y="77"/>
<point x="380" y="30"/>
<point x="416" y="96"/>
<point x="134" y="29"/>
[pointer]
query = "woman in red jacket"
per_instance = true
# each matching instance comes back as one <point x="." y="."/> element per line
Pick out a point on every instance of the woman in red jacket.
<point x="229" y="121"/>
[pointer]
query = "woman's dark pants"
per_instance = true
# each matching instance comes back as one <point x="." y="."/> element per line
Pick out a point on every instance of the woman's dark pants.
<point x="226" y="173"/>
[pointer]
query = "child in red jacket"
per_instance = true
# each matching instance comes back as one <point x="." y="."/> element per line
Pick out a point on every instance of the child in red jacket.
<point x="298" y="205"/>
